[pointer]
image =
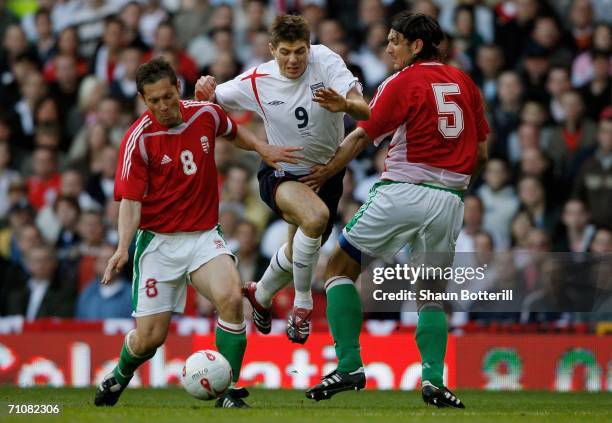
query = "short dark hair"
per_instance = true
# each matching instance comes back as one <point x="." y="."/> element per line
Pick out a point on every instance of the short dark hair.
<point x="153" y="71"/>
<point x="290" y="28"/>
<point x="415" y="26"/>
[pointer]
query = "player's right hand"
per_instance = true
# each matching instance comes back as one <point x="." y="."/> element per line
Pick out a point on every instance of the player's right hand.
<point x="272" y="155"/>
<point x="114" y="266"/>
<point x="205" y="88"/>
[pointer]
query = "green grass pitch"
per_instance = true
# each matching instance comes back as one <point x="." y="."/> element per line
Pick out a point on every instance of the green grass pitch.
<point x="270" y="406"/>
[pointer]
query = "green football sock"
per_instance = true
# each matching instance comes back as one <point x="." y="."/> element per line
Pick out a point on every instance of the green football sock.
<point x="128" y="363"/>
<point x="431" y="336"/>
<point x="345" y="317"/>
<point x="231" y="343"/>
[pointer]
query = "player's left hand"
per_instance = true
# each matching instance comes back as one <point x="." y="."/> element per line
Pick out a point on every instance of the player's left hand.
<point x="319" y="174"/>
<point x="330" y="100"/>
<point x="272" y="155"/>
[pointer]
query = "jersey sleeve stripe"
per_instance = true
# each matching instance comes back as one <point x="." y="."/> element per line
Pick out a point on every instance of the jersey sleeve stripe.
<point x="230" y="127"/>
<point x="131" y="144"/>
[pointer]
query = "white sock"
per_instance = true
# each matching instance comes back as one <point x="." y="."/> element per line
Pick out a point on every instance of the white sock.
<point x="278" y="275"/>
<point x="305" y="257"/>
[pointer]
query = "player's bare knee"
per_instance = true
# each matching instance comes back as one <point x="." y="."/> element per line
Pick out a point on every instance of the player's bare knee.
<point x="151" y="337"/>
<point x="230" y="309"/>
<point x="315" y="223"/>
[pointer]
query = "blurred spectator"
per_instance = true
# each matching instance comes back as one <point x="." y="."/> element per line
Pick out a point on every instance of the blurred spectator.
<point x="527" y="136"/>
<point x="165" y="41"/>
<point x="44" y="184"/>
<point x="67" y="241"/>
<point x="71" y="185"/>
<point x="581" y="17"/>
<point x="97" y="301"/>
<point x="15" y="44"/>
<point x="499" y="201"/>
<point x="20" y="214"/>
<point x="547" y="35"/>
<point x="7" y="175"/>
<point x="512" y="35"/>
<point x="489" y="63"/>
<point x="10" y="275"/>
<point x="123" y="86"/>
<point x="602" y="241"/>
<point x="65" y="88"/>
<point x="582" y="67"/>
<point x="557" y="84"/>
<point x="534" y="201"/>
<point x="593" y="185"/>
<point x="130" y="16"/>
<point x="100" y="185"/>
<point x="44" y="294"/>
<point x="88" y="18"/>
<point x="236" y="189"/>
<point x="106" y="57"/>
<point x="150" y="20"/>
<point x="67" y="45"/>
<point x="577" y="233"/>
<point x="535" y="66"/>
<point x="505" y="111"/>
<point x="552" y="297"/>
<point x="45" y="40"/>
<point x="191" y="20"/>
<point x="7" y="18"/>
<point x="27" y="237"/>
<point x="575" y="133"/>
<point x="91" y="232"/>
<point x="466" y="38"/>
<point x="260" y="53"/>
<point x="32" y="88"/>
<point x="483" y="18"/>
<point x="472" y="224"/>
<point x="367" y="55"/>
<point x="108" y="115"/>
<point x="251" y="264"/>
<point x="598" y="92"/>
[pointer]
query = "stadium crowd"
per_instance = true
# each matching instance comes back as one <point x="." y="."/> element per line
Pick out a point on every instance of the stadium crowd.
<point x="68" y="90"/>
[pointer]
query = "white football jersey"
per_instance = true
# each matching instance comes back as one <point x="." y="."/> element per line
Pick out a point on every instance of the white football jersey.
<point x="285" y="105"/>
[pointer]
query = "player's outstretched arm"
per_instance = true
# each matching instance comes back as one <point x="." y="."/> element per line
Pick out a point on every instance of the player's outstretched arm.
<point x="272" y="155"/>
<point x="352" y="145"/>
<point x="354" y="104"/>
<point x="129" y="219"/>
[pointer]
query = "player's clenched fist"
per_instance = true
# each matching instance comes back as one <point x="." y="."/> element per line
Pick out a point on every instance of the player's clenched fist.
<point x="205" y="88"/>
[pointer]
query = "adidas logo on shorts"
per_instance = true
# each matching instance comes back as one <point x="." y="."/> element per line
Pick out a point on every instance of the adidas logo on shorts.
<point x="166" y="160"/>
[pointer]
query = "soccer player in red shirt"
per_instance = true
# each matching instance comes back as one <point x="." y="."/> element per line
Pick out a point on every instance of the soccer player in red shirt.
<point x="166" y="181"/>
<point x="435" y="114"/>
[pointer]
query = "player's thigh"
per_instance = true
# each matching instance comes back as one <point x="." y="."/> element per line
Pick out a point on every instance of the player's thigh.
<point x="299" y="204"/>
<point x="160" y="266"/>
<point x="388" y="220"/>
<point x="219" y="281"/>
<point x="436" y="242"/>
<point x="342" y="264"/>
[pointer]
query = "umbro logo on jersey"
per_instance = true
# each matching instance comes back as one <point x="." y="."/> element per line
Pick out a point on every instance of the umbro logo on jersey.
<point x="205" y="144"/>
<point x="166" y="160"/>
<point x="316" y="87"/>
<point x="276" y="103"/>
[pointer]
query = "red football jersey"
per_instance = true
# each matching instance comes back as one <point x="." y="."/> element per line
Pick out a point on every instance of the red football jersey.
<point x="172" y="171"/>
<point x="435" y="112"/>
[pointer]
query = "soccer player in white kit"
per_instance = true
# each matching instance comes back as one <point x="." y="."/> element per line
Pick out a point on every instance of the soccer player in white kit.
<point x="301" y="96"/>
<point x="435" y="114"/>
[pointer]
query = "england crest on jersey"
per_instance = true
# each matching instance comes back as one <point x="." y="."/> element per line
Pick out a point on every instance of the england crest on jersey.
<point x="316" y="87"/>
<point x="205" y="145"/>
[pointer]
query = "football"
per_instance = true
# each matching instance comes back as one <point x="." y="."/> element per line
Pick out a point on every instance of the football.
<point x="206" y="374"/>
